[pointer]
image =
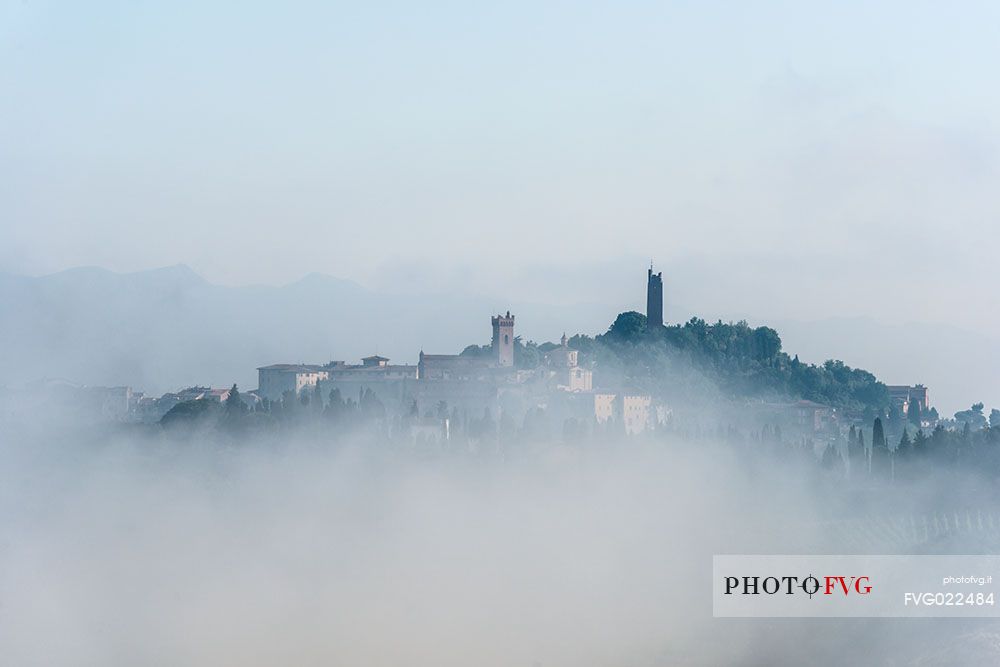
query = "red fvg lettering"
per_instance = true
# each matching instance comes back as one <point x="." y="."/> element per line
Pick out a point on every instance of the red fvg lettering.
<point x="858" y="584"/>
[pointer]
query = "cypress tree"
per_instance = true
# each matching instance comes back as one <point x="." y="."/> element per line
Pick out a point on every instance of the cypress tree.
<point x="905" y="447"/>
<point x="880" y="464"/>
<point x="878" y="434"/>
<point x="854" y="451"/>
<point x="235" y="404"/>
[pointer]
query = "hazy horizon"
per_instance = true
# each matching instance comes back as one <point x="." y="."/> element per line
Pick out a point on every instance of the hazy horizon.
<point x="619" y="280"/>
<point x="499" y="148"/>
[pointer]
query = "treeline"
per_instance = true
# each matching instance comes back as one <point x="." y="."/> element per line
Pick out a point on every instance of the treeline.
<point x="879" y="452"/>
<point x="235" y="417"/>
<point x="918" y="451"/>
<point x="334" y="417"/>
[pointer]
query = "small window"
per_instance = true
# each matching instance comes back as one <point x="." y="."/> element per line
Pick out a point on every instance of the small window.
<point x="506" y="339"/>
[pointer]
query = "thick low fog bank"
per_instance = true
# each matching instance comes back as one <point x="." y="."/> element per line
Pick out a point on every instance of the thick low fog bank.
<point x="124" y="548"/>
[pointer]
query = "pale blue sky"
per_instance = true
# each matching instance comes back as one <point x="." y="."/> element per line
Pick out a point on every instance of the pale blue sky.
<point x="792" y="159"/>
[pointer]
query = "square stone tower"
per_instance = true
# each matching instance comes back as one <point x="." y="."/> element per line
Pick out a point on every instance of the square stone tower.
<point x="654" y="299"/>
<point x="503" y="340"/>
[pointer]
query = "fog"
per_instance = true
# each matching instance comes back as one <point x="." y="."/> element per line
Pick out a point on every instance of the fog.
<point x="325" y="181"/>
<point x="125" y="547"/>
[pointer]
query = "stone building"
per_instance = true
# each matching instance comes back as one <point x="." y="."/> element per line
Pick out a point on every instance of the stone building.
<point x="566" y="371"/>
<point x="374" y="368"/>
<point x="452" y="367"/>
<point x="634" y="412"/>
<point x="473" y="366"/>
<point x="374" y="372"/>
<point x="503" y="340"/>
<point x="391" y="383"/>
<point x="654" y="298"/>
<point x="904" y="395"/>
<point x="274" y="380"/>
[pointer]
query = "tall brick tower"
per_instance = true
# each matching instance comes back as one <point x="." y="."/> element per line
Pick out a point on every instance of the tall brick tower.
<point x="654" y="298"/>
<point x="503" y="340"/>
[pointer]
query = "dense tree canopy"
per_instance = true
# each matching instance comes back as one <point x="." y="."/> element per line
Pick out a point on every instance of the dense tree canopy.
<point x="730" y="359"/>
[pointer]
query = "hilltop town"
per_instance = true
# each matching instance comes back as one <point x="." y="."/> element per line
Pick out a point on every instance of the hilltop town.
<point x="480" y="380"/>
<point x="638" y="376"/>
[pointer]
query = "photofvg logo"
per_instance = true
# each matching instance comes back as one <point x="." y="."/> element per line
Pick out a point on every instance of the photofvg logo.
<point x="858" y="586"/>
<point x="789" y="585"/>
